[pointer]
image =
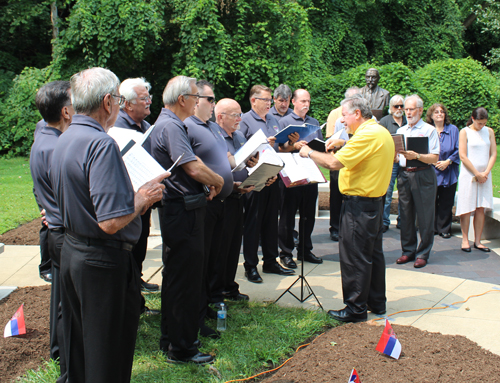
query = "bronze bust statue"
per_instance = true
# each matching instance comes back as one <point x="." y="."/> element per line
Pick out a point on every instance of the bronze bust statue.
<point x="377" y="97"/>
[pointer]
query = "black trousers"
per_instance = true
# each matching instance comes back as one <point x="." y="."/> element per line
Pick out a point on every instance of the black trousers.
<point x="302" y="198"/>
<point x="417" y="196"/>
<point x="261" y="224"/>
<point x="231" y="247"/>
<point x="141" y="246"/>
<point x="55" y="243"/>
<point x="100" y="307"/>
<point x="45" y="262"/>
<point x="445" y="199"/>
<point x="335" y="201"/>
<point x="183" y="234"/>
<point x="362" y="262"/>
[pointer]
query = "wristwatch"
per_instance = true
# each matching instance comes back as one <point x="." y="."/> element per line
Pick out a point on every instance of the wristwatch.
<point x="309" y="154"/>
<point x="418" y="156"/>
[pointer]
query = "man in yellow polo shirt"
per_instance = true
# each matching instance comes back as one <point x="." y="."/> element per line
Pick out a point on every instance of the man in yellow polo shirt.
<point x="365" y="164"/>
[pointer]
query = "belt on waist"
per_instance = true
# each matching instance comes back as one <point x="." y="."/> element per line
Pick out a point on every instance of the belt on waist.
<point x="120" y="245"/>
<point x="415" y="169"/>
<point x="59" y="230"/>
<point x="359" y="198"/>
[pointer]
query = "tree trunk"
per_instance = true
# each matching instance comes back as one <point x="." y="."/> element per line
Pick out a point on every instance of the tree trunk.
<point x="53" y="19"/>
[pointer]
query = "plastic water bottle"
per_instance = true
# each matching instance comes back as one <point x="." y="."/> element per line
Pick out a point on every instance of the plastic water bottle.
<point x="221" y="317"/>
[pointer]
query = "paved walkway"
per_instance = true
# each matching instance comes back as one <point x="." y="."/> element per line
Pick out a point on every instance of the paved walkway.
<point x="451" y="276"/>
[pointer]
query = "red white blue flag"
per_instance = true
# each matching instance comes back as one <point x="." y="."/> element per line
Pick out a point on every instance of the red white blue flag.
<point x="388" y="343"/>
<point x="354" y="378"/>
<point x="16" y="325"/>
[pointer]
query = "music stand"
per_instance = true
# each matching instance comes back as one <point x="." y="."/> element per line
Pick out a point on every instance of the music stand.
<point x="303" y="281"/>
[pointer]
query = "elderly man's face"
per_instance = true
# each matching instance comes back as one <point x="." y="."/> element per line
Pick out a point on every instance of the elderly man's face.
<point x="397" y="109"/>
<point x="231" y="118"/>
<point x="138" y="108"/>
<point x="282" y="104"/>
<point x="413" y="113"/>
<point x="348" y="119"/>
<point x="191" y="101"/>
<point x="371" y="78"/>
<point x="302" y="102"/>
<point x="205" y="108"/>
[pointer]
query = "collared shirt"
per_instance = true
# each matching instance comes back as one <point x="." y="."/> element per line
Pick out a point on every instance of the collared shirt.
<point x="294" y="119"/>
<point x="390" y="123"/>
<point x="251" y="123"/>
<point x="331" y="121"/>
<point x="126" y="122"/>
<point x="209" y="145"/>
<point x="90" y="181"/>
<point x="234" y="143"/>
<point x="421" y="129"/>
<point x="169" y="140"/>
<point x="367" y="160"/>
<point x="448" y="143"/>
<point x="277" y="114"/>
<point x="40" y="161"/>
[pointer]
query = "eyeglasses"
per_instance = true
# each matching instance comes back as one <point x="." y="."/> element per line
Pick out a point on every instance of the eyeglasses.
<point x="194" y="95"/>
<point x="234" y="115"/>
<point x="438" y="112"/>
<point x="401" y="106"/>
<point x="121" y="99"/>
<point x="410" y="109"/>
<point x="146" y="98"/>
<point x="268" y="100"/>
<point x="210" y="99"/>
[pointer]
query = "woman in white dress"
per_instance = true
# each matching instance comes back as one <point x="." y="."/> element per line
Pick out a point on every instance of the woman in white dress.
<point x="478" y="152"/>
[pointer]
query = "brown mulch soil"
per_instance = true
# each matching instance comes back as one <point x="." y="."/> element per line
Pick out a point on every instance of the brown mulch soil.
<point x="18" y="354"/>
<point x="27" y="234"/>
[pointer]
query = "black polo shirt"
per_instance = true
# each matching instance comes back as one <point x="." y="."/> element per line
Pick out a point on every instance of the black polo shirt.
<point x="294" y="119"/>
<point x="40" y="161"/>
<point x="126" y="122"/>
<point x="169" y="140"/>
<point x="390" y="124"/>
<point x="209" y="145"/>
<point x="251" y="123"/>
<point x="90" y="181"/>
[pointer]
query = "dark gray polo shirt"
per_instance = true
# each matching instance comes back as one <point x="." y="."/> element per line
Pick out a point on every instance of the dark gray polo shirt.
<point x="126" y="122"/>
<point x="209" y="145"/>
<point x="251" y="123"/>
<point x="169" y="140"/>
<point x="40" y="160"/>
<point x="39" y="125"/>
<point x="277" y="115"/>
<point x="232" y="145"/>
<point x="293" y="119"/>
<point x="390" y="124"/>
<point x="90" y="181"/>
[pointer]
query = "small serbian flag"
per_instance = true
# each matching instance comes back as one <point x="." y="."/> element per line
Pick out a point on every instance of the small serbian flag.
<point x="388" y="343"/>
<point x="16" y="325"/>
<point x="354" y="378"/>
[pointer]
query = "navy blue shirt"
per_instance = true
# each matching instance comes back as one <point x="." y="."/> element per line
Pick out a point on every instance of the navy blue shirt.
<point x="209" y="145"/>
<point x="277" y="115"/>
<point x="251" y="123"/>
<point x="293" y="119"/>
<point x="40" y="160"/>
<point x="90" y="181"/>
<point x="169" y="140"/>
<point x="126" y="122"/>
<point x="448" y="149"/>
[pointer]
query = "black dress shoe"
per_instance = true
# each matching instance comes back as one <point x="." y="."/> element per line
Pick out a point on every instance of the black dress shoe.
<point x="445" y="235"/>
<point x="148" y="287"/>
<point x="385" y="229"/>
<point x="334" y="236"/>
<point x="253" y="275"/>
<point x="377" y="312"/>
<point x="288" y="262"/>
<point x="344" y="316"/>
<point x="238" y="297"/>
<point x="276" y="268"/>
<point x="47" y="277"/>
<point x="485" y="249"/>
<point x="310" y="258"/>
<point x="209" y="332"/>
<point x="199" y="359"/>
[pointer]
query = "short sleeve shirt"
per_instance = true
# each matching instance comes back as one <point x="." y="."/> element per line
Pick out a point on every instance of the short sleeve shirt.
<point x="233" y="144"/>
<point x="209" y="145"/>
<point x="40" y="161"/>
<point x="169" y="140"/>
<point x="421" y="129"/>
<point x="126" y="122"/>
<point x="367" y="158"/>
<point x="251" y="123"/>
<point x="90" y="181"/>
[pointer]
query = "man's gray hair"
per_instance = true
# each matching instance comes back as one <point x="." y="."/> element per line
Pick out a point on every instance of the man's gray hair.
<point x="357" y="102"/>
<point x="394" y="99"/>
<point x="282" y="91"/>
<point x="89" y="87"/>
<point x="176" y="87"/>
<point x="352" y="91"/>
<point x="420" y="102"/>
<point x="127" y="89"/>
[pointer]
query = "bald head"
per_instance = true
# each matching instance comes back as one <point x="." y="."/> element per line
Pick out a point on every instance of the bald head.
<point x="228" y="115"/>
<point x="301" y="102"/>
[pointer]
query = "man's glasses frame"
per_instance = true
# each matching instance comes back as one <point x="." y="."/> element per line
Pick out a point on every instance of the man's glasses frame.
<point x="234" y="115"/>
<point x="121" y="99"/>
<point x="210" y="99"/>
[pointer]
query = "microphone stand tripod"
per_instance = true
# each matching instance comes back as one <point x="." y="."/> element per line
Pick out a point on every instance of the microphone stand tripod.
<point x="305" y="287"/>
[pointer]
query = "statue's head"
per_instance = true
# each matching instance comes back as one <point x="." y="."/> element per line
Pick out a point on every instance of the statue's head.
<point x="372" y="77"/>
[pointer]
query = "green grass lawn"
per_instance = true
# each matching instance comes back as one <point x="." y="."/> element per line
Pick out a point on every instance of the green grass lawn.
<point x="17" y="203"/>
<point x="259" y="337"/>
